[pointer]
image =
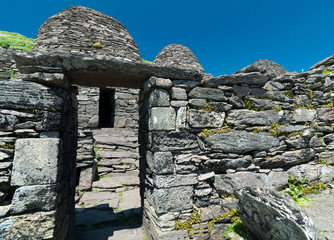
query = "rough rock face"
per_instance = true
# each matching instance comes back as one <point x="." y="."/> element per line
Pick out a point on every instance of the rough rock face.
<point x="273" y="215"/>
<point x="77" y="29"/>
<point x="175" y="55"/>
<point x="266" y="67"/>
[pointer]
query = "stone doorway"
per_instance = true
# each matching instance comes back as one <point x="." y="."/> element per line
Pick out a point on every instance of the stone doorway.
<point x="108" y="196"/>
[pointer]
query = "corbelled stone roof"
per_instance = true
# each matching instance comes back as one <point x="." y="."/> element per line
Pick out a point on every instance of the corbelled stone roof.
<point x="81" y="29"/>
<point x="266" y="67"/>
<point x="175" y="55"/>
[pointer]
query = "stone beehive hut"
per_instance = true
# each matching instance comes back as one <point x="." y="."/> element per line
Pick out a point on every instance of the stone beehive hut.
<point x="77" y="29"/>
<point x="203" y="140"/>
<point x="175" y="55"/>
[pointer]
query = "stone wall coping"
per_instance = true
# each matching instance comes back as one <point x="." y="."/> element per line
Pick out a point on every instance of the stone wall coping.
<point x="98" y="70"/>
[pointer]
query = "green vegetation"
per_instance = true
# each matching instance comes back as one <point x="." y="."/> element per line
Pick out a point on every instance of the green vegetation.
<point x="323" y="161"/>
<point x="238" y="228"/>
<point x="196" y="218"/>
<point x="329" y="105"/>
<point x="249" y="105"/>
<point x="145" y="61"/>
<point x="12" y="74"/>
<point x="298" y="188"/>
<point x="206" y="132"/>
<point x="8" y="146"/>
<point x="15" y="40"/>
<point x="206" y="108"/>
<point x="97" y="44"/>
<point x="144" y="237"/>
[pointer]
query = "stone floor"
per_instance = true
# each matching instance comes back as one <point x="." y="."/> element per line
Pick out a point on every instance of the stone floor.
<point x="105" y="215"/>
<point x="321" y="211"/>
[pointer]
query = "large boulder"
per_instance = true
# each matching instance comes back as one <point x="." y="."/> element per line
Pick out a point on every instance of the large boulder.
<point x="271" y="215"/>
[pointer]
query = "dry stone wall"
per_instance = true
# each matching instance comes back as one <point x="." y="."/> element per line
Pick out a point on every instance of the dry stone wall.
<point x="37" y="149"/>
<point x="207" y="140"/>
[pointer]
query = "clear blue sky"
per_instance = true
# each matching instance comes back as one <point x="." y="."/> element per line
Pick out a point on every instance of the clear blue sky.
<point x="224" y="35"/>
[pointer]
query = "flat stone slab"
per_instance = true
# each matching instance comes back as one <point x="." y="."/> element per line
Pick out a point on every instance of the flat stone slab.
<point x="131" y="201"/>
<point x="101" y="200"/>
<point x="116" y="182"/>
<point x="98" y="70"/>
<point x="321" y="211"/>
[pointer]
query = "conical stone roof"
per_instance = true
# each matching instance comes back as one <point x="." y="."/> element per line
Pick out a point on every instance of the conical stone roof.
<point x="179" y="56"/>
<point x="84" y="30"/>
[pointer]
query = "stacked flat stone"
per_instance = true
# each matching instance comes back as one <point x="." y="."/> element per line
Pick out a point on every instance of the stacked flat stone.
<point x="84" y="30"/>
<point x="37" y="160"/>
<point x="8" y="64"/>
<point x="207" y="140"/>
<point x="179" y="56"/>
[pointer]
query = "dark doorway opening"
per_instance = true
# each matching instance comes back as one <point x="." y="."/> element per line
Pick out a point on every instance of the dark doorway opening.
<point x="107" y="107"/>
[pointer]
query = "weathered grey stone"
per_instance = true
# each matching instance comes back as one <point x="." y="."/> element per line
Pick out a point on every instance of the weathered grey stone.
<point x="274" y="216"/>
<point x="207" y="93"/>
<point x="241" y="91"/>
<point x="175" y="235"/>
<point x="205" y="176"/>
<point x="87" y="176"/>
<point x="231" y="183"/>
<point x="163" y="141"/>
<point x="178" y="104"/>
<point x="325" y="115"/>
<point x="202" y="118"/>
<point x="236" y="102"/>
<point x="220" y="106"/>
<point x="254" y="78"/>
<point x="118" y="155"/>
<point x="297" y="142"/>
<point x="4" y="165"/>
<point x="288" y="158"/>
<point x="158" y="83"/>
<point x="249" y="117"/>
<point x="316" y="142"/>
<point x="315" y="173"/>
<point x="28" y="95"/>
<point x="160" y="162"/>
<point x="159" y="98"/>
<point x="269" y="104"/>
<point x="304" y="115"/>
<point x="241" y="142"/>
<point x="178" y="93"/>
<point x="37" y="197"/>
<point x="102" y="69"/>
<point x="116" y="182"/>
<point x="176" y="55"/>
<point x="181" y="118"/>
<point x="162" y="118"/>
<point x="225" y="164"/>
<point x="302" y="100"/>
<point x="165" y="222"/>
<point x="38" y="225"/>
<point x="327" y="157"/>
<point x="266" y="67"/>
<point x="4" y="155"/>
<point x="48" y="79"/>
<point x="37" y="161"/>
<point x="96" y="27"/>
<point x="166" y="200"/>
<point x="275" y="86"/>
<point x="197" y="102"/>
<point x="174" y="180"/>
